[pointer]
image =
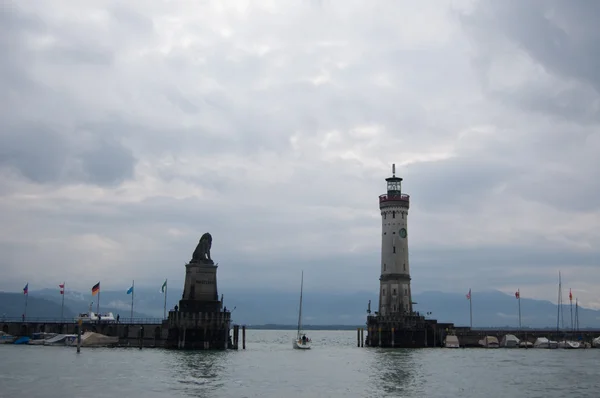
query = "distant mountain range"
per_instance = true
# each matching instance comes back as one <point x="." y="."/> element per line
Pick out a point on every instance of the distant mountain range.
<point x="490" y="309"/>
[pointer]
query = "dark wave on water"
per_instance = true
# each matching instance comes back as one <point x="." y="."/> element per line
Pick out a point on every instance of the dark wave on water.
<point x="270" y="367"/>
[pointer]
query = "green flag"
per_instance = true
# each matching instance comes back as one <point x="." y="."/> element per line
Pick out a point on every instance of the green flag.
<point x="164" y="286"/>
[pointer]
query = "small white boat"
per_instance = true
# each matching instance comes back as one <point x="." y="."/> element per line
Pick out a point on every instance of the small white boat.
<point x="91" y="316"/>
<point x="6" y="338"/>
<point x="525" y="344"/>
<point x="451" y="341"/>
<point x="40" y="338"/>
<point x="596" y="342"/>
<point x="509" y="341"/>
<point x="301" y="342"/>
<point x="60" y="339"/>
<point x="569" y="344"/>
<point x="489" y="342"/>
<point x="92" y="339"/>
<point x="543" y="342"/>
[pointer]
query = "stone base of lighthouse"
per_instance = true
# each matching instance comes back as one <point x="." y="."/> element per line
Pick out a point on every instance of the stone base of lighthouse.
<point x="405" y="331"/>
<point x="199" y="322"/>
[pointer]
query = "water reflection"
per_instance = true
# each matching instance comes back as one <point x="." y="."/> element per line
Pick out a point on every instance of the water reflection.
<point x="199" y="373"/>
<point x="395" y="370"/>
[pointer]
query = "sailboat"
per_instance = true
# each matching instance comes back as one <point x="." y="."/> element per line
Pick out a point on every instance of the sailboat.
<point x="564" y="343"/>
<point x="301" y="342"/>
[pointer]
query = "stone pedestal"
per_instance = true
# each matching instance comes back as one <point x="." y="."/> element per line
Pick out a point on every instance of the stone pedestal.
<point x="199" y="322"/>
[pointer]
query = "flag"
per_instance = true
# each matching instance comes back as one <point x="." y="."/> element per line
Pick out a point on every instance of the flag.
<point x="96" y="289"/>
<point x="469" y="295"/>
<point x="130" y="290"/>
<point x="517" y="294"/>
<point x="62" y="288"/>
<point x="570" y="295"/>
<point x="26" y="289"/>
<point x="164" y="286"/>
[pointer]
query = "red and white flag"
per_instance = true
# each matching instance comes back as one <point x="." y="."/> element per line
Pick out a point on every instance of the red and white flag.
<point x="570" y="295"/>
<point x="62" y="288"/>
<point x="517" y="294"/>
<point x="469" y="295"/>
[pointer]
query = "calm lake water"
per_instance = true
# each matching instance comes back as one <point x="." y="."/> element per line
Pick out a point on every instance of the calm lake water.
<point x="270" y="367"/>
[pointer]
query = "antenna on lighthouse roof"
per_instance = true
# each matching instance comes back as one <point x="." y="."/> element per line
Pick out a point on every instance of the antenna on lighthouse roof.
<point x="393" y="169"/>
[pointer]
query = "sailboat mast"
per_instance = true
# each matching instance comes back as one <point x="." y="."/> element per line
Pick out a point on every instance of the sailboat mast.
<point x="300" y="311"/>
<point x="576" y="316"/>
<point x="559" y="303"/>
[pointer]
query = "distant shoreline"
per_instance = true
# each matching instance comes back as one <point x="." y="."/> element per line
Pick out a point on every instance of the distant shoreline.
<point x="272" y="326"/>
<point x="304" y="327"/>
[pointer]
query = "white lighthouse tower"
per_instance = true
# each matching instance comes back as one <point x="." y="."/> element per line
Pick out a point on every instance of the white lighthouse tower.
<point x="394" y="292"/>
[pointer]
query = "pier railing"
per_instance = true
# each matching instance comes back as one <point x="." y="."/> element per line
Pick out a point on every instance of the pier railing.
<point x="385" y="197"/>
<point x="127" y="321"/>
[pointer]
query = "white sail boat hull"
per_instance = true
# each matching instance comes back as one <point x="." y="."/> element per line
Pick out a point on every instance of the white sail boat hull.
<point x="301" y="342"/>
<point x="299" y="346"/>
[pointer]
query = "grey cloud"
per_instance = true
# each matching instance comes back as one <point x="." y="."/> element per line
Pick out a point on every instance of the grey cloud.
<point x="44" y="155"/>
<point x="203" y="106"/>
<point x="562" y="37"/>
<point x="36" y="152"/>
<point x="460" y="181"/>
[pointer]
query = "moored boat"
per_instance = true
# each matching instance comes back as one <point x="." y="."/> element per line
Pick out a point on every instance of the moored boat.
<point x="92" y="339"/>
<point x="569" y="344"/>
<point x="510" y="341"/>
<point x="489" y="342"/>
<point x="525" y="344"/>
<point x="451" y="341"/>
<point x="91" y="316"/>
<point x="543" y="342"/>
<point x="6" y="338"/>
<point x="22" y="340"/>
<point x="60" y="339"/>
<point x="40" y="338"/>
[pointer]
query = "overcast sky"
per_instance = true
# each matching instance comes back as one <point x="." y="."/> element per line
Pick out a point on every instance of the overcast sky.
<point x="128" y="129"/>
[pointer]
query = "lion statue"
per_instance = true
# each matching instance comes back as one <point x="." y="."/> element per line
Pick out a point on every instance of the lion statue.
<point x="202" y="252"/>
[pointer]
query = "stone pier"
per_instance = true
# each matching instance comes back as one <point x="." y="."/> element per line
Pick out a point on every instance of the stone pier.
<point x="200" y="321"/>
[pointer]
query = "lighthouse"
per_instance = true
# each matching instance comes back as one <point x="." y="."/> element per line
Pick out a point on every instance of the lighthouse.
<point x="394" y="291"/>
<point x="396" y="325"/>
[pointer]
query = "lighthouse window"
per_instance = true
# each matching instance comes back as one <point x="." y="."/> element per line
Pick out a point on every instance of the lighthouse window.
<point x="394" y="292"/>
<point x="404" y="267"/>
<point x="384" y="216"/>
<point x="394" y="249"/>
<point x="405" y="291"/>
<point x="393" y="214"/>
<point x="383" y="292"/>
<point x="403" y="215"/>
<point x="384" y="267"/>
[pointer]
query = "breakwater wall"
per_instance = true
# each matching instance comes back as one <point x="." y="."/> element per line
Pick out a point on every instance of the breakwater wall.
<point x="433" y="334"/>
<point x="470" y="337"/>
<point x="153" y="332"/>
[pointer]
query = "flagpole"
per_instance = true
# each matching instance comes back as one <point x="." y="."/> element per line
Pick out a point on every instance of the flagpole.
<point x="571" y="300"/>
<point x="98" y="303"/>
<point x="576" y="316"/>
<point x="62" y="306"/>
<point x="132" y="294"/>
<point x="165" y="308"/>
<point x="471" y="307"/>
<point x="519" y="291"/>
<point x="26" y="297"/>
